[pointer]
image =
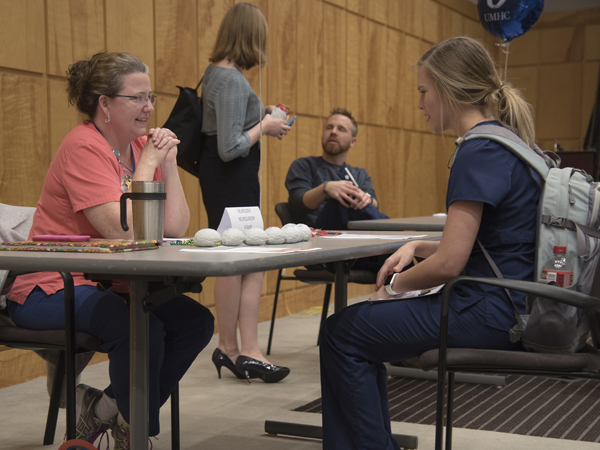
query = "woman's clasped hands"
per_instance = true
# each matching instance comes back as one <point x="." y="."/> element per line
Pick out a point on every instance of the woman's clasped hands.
<point x="161" y="147"/>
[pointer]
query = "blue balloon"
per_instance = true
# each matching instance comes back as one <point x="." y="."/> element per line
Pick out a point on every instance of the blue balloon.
<point x="508" y="19"/>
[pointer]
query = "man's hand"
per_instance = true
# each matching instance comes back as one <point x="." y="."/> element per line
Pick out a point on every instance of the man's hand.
<point x="347" y="194"/>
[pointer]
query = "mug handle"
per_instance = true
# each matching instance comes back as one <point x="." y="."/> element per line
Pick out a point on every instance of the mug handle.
<point x="123" y="201"/>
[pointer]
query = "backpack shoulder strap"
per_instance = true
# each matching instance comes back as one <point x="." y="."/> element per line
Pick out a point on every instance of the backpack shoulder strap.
<point x="539" y="162"/>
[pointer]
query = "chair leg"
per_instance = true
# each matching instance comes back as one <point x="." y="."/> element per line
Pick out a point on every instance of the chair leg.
<point x="279" y="275"/>
<point x="326" y="300"/>
<point x="439" y="412"/>
<point x="59" y="379"/>
<point x="450" y="411"/>
<point x="175" y="429"/>
<point x="69" y="292"/>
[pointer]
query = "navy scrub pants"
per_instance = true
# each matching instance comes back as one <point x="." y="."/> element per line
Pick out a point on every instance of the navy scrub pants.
<point x="358" y="340"/>
<point x="179" y="330"/>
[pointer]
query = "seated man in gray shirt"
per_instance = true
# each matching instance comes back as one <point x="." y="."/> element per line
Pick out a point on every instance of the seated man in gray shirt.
<point x="324" y="191"/>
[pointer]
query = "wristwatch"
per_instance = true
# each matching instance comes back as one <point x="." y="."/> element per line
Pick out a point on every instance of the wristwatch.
<point x="388" y="287"/>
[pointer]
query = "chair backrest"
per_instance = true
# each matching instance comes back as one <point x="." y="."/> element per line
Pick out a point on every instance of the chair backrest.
<point x="15" y="223"/>
<point x="284" y="212"/>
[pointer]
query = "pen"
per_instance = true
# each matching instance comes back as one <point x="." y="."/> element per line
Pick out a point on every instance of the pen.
<point x="351" y="177"/>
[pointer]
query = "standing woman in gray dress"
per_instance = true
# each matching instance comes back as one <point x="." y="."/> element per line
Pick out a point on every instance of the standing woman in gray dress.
<point x="228" y="174"/>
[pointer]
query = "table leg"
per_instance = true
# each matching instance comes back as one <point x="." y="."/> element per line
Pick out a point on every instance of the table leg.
<point x="341" y="269"/>
<point x="139" y="366"/>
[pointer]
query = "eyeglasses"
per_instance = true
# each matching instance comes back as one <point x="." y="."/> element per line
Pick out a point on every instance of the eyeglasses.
<point x="139" y="99"/>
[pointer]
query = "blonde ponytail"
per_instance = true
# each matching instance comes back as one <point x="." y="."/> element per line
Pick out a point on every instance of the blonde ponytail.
<point x="464" y="73"/>
<point x="512" y="110"/>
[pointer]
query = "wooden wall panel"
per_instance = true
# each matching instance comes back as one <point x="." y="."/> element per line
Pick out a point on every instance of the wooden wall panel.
<point x="527" y="80"/>
<point x="310" y="58"/>
<point x="451" y="23"/>
<point x="414" y="17"/>
<point x="282" y="88"/>
<point x="445" y="147"/>
<point x="413" y="146"/>
<point x="381" y="166"/>
<point x="396" y="15"/>
<point x="377" y="94"/>
<point x="210" y="14"/>
<point x="335" y="66"/>
<point x="592" y="42"/>
<point x="393" y="93"/>
<point x="357" y="156"/>
<point x="465" y="8"/>
<point x="378" y="11"/>
<point x="377" y="165"/>
<point x="23" y="35"/>
<point x="435" y="155"/>
<point x="393" y="204"/>
<point x="129" y="28"/>
<point x="24" y="142"/>
<point x="356" y="69"/>
<point x="75" y="32"/>
<point x="429" y="187"/>
<point x="280" y="157"/>
<point x="176" y="38"/>
<point x="474" y="29"/>
<point x="360" y="7"/>
<point x="412" y="116"/>
<point x="63" y="117"/>
<point x="282" y="78"/>
<point x="526" y="49"/>
<point x="559" y="109"/>
<point x="309" y="131"/>
<point x="431" y="21"/>
<point x="591" y="73"/>
<point x="563" y="44"/>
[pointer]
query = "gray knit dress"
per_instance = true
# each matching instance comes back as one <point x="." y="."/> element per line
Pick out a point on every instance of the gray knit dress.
<point x="228" y="165"/>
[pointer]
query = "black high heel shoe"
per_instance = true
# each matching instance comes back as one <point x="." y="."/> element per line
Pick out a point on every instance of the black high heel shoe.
<point x="220" y="359"/>
<point x="253" y="368"/>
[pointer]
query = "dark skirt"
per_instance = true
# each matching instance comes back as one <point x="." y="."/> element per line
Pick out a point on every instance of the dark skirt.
<point x="227" y="184"/>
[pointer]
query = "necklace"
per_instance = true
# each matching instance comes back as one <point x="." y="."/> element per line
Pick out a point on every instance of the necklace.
<point x="127" y="172"/>
<point x="127" y="176"/>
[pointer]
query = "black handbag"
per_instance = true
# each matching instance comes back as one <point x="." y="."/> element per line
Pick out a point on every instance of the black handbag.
<point x="186" y="122"/>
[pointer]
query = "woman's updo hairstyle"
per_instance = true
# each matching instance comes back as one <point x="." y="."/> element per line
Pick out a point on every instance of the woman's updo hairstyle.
<point x="464" y="73"/>
<point x="102" y="74"/>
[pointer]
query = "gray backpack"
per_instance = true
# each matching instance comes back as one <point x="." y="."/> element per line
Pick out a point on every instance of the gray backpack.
<point x="568" y="215"/>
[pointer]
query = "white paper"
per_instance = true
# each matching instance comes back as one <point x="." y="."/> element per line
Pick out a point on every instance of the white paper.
<point x="395" y="237"/>
<point x="411" y="294"/>
<point x="249" y="249"/>
<point x="243" y="218"/>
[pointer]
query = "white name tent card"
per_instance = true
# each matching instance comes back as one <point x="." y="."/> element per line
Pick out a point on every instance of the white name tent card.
<point x="243" y="218"/>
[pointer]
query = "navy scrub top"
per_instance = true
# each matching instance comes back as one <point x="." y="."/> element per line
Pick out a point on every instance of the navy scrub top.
<point x="485" y="171"/>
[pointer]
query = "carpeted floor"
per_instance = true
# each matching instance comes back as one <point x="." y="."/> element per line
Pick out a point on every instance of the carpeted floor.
<point x="526" y="405"/>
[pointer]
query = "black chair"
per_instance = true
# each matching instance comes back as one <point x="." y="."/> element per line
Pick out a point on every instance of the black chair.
<point x="323" y="276"/>
<point x="584" y="364"/>
<point x="69" y="343"/>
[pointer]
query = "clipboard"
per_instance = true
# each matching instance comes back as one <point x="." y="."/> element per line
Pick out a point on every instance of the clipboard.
<point x="410" y="295"/>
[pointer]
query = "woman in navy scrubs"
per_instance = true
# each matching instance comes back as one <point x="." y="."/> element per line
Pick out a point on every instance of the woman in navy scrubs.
<point x="492" y="196"/>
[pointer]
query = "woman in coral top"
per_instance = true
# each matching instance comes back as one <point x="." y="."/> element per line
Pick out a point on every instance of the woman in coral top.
<point x="95" y="163"/>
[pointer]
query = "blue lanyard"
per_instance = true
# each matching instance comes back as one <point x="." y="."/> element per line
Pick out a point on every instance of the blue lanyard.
<point x="118" y="155"/>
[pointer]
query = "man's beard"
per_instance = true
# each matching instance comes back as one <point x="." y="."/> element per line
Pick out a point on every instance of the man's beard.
<point x="335" y="150"/>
